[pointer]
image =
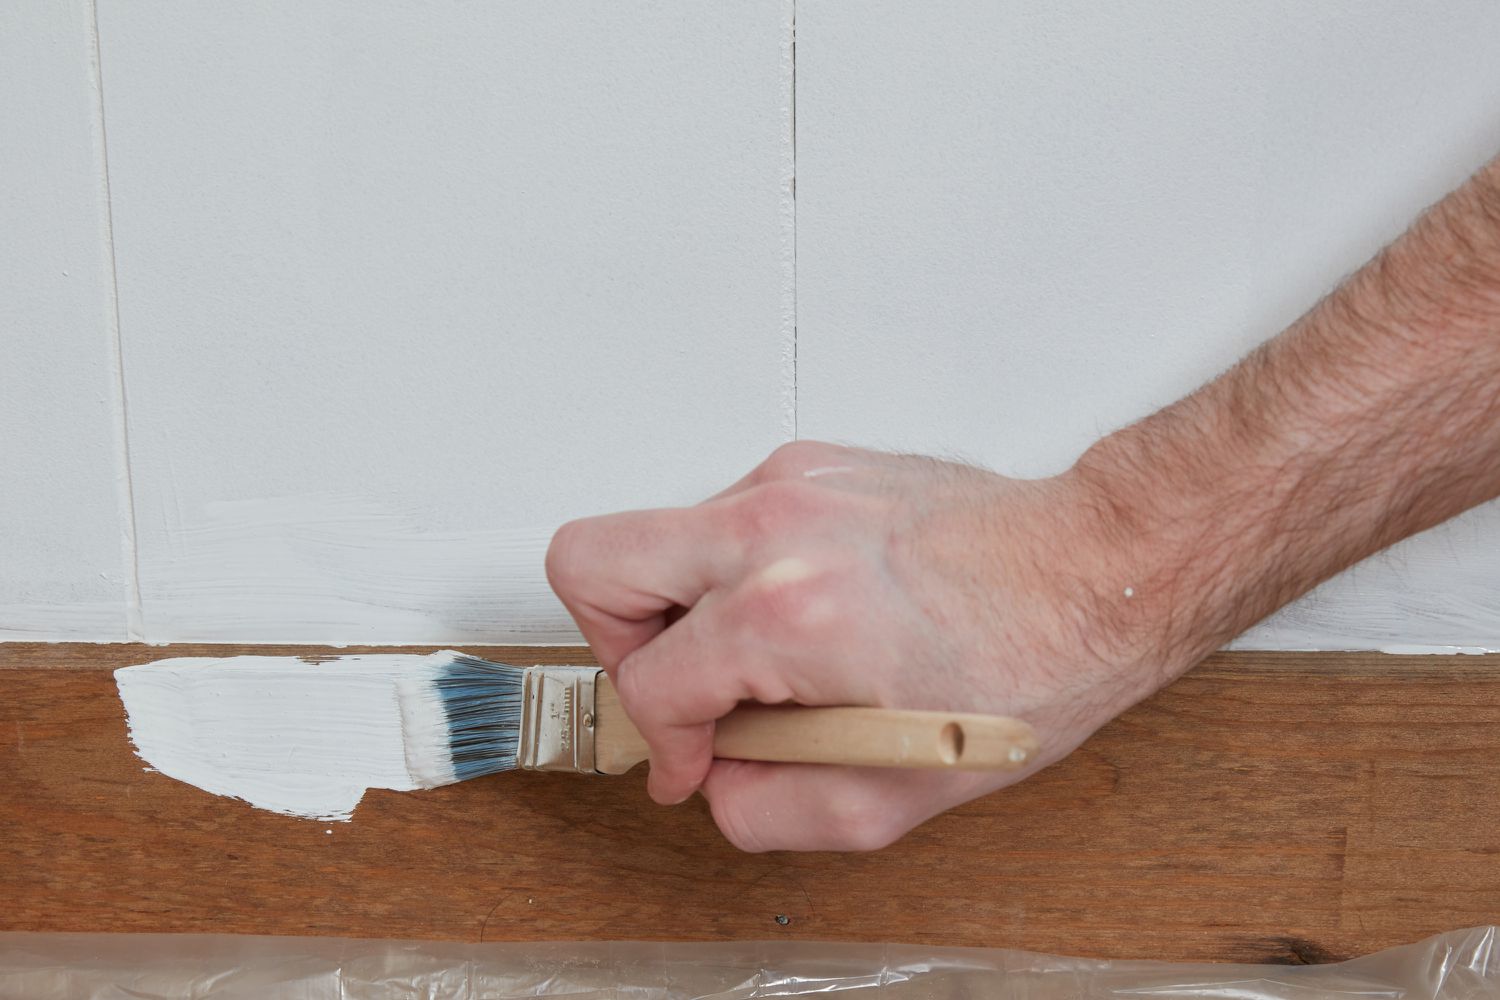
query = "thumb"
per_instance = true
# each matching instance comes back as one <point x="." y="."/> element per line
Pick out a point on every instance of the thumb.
<point x="816" y="807"/>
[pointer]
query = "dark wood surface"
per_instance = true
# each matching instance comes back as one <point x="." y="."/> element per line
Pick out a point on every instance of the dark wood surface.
<point x="1283" y="807"/>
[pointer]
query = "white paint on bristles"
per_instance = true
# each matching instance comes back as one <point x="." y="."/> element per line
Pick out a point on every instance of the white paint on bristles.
<point x="304" y="738"/>
<point x="425" y="735"/>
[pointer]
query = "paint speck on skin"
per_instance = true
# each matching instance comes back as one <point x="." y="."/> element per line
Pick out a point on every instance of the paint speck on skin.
<point x="827" y="470"/>
<point x="1129" y="591"/>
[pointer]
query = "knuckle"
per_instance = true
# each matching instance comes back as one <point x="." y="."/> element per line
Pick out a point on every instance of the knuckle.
<point x="680" y="759"/>
<point x="565" y="556"/>
<point x="633" y="684"/>
<point x="796" y="457"/>
<point x="794" y="599"/>
<point x="770" y="689"/>
<point x="669" y="709"/>
<point x="769" y="511"/>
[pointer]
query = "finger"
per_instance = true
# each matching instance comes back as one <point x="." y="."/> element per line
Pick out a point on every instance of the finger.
<point x="618" y="575"/>
<point x="755" y="641"/>
<point x="676" y="686"/>
<point x="803" y="807"/>
<point x="673" y="688"/>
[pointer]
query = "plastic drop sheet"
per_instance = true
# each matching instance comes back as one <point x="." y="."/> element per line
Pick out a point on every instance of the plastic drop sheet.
<point x="1463" y="965"/>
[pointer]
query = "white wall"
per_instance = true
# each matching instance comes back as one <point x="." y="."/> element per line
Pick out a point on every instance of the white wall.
<point x="401" y="287"/>
<point x="64" y="567"/>
<point x="1021" y="225"/>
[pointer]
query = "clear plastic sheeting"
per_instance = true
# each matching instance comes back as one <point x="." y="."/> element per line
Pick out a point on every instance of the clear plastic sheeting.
<point x="1462" y="965"/>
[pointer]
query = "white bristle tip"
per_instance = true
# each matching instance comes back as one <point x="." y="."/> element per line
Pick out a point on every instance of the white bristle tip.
<point x="424" y="733"/>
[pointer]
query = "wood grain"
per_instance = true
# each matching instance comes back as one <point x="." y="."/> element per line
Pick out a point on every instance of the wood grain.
<point x="1282" y="807"/>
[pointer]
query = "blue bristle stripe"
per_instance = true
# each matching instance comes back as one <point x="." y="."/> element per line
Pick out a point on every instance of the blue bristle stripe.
<point x="482" y="701"/>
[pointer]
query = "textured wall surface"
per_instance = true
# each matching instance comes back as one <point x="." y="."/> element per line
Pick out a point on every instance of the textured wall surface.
<point x="64" y="542"/>
<point x="402" y="288"/>
<point x="1021" y="225"/>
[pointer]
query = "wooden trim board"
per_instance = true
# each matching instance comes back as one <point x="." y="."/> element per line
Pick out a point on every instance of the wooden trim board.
<point x="1268" y="807"/>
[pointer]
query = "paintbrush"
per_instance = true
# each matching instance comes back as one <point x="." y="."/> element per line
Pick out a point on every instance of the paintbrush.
<point x="466" y="717"/>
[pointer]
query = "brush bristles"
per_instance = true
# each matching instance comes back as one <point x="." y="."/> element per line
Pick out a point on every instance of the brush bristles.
<point x="462" y="721"/>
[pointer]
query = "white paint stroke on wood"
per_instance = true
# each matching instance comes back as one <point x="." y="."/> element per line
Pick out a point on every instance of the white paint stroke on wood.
<point x="484" y="268"/>
<point x="293" y="736"/>
<point x="1023" y="225"/>
<point x="63" y="574"/>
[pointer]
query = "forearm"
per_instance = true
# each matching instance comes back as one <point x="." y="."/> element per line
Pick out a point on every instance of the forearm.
<point x="1375" y="416"/>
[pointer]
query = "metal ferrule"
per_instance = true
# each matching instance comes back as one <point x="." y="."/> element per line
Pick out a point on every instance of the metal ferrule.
<point x="557" y="719"/>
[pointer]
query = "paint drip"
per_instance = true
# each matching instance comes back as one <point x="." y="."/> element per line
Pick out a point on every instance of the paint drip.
<point x="295" y="736"/>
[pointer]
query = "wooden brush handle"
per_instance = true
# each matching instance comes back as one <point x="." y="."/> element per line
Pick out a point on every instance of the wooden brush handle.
<point x="869" y="737"/>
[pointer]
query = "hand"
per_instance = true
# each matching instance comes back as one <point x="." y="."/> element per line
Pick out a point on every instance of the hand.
<point x="834" y="576"/>
<point x="831" y="576"/>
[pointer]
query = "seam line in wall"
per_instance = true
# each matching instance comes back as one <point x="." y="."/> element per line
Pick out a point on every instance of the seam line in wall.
<point x="134" y="612"/>
<point x="796" y="398"/>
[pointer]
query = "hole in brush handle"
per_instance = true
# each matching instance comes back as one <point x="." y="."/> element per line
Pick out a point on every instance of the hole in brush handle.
<point x="951" y="743"/>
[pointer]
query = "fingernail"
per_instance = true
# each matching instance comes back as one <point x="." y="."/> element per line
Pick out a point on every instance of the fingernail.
<point x="679" y="800"/>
